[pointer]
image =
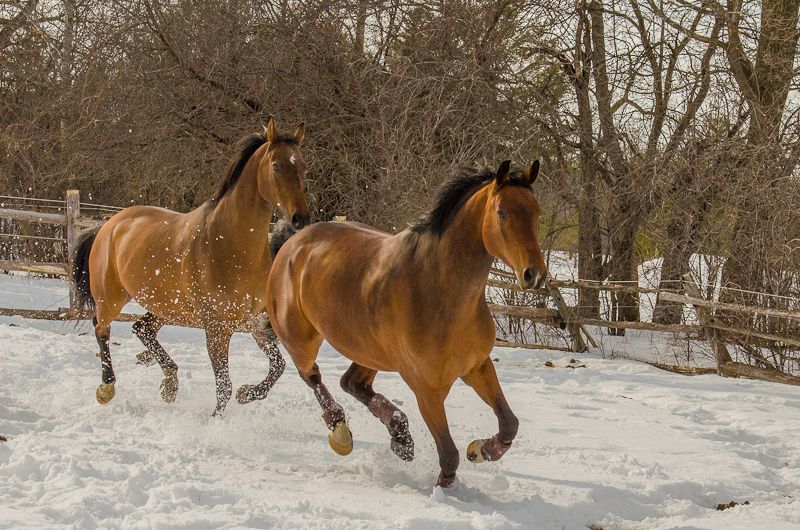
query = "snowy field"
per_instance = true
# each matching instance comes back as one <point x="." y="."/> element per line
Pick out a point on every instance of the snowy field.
<point x="614" y="445"/>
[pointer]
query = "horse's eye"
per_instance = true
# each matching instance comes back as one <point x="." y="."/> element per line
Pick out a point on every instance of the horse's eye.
<point x="275" y="167"/>
<point x="502" y="214"/>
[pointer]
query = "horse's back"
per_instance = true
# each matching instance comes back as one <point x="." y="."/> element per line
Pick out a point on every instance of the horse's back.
<point x="341" y="281"/>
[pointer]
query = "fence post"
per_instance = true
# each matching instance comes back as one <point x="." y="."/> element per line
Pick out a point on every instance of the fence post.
<point x="721" y="353"/>
<point x="578" y="344"/>
<point x="73" y="211"/>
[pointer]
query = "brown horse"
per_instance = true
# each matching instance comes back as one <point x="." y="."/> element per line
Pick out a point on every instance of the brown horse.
<point x="206" y="268"/>
<point x="412" y="303"/>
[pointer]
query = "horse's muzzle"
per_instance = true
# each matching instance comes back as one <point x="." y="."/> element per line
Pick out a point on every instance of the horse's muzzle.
<point x="531" y="278"/>
<point x="299" y="220"/>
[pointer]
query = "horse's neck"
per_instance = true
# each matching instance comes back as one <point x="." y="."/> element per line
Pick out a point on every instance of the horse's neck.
<point x="242" y="213"/>
<point x="458" y="260"/>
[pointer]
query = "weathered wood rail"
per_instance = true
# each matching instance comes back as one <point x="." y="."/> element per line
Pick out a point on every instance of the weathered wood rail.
<point x="559" y="315"/>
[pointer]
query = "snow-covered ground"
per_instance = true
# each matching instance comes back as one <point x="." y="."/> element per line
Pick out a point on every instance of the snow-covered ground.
<point x="616" y="444"/>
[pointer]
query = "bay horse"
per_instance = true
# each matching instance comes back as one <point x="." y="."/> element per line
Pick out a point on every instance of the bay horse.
<point x="206" y="268"/>
<point x="412" y="303"/>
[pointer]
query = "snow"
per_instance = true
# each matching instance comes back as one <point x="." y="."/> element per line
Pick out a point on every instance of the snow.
<point x="615" y="445"/>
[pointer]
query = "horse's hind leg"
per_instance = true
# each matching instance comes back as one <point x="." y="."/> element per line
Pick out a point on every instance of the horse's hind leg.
<point x="105" y="392"/>
<point x="483" y="379"/>
<point x="268" y="342"/>
<point x="340" y="438"/>
<point x="146" y="329"/>
<point x="357" y="381"/>
<point x="105" y="313"/>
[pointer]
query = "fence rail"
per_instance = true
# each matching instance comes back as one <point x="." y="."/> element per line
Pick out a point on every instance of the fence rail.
<point x="560" y="315"/>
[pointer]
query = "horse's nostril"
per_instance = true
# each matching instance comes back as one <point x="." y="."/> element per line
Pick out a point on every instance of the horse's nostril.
<point x="527" y="275"/>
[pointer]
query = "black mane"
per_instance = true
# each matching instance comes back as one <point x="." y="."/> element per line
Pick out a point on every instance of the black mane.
<point x="452" y="195"/>
<point x="245" y="148"/>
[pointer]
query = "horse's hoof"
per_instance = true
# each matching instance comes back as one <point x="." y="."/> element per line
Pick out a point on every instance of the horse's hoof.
<point x="105" y="393"/>
<point x="403" y="449"/>
<point x="341" y="439"/>
<point x="169" y="388"/>
<point x="243" y="394"/>
<point x="145" y="358"/>
<point x="446" y="481"/>
<point x="475" y="451"/>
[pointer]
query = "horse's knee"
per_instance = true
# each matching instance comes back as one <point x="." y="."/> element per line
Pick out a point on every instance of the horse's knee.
<point x="138" y="328"/>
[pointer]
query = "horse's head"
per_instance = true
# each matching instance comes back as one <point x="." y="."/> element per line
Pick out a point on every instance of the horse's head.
<point x="511" y="224"/>
<point x="281" y="173"/>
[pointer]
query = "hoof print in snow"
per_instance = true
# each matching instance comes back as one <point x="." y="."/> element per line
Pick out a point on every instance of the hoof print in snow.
<point x="549" y="364"/>
<point x="3" y="438"/>
<point x="575" y="364"/>
<point x="725" y="506"/>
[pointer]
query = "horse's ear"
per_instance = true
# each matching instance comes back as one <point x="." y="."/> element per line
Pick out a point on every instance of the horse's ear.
<point x="531" y="172"/>
<point x="271" y="132"/>
<point x="503" y="173"/>
<point x="300" y="132"/>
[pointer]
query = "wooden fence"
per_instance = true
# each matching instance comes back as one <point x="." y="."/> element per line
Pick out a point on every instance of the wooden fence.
<point x="559" y="315"/>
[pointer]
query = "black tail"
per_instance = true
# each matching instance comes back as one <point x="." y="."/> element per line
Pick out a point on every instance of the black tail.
<point x="279" y="237"/>
<point x="79" y="275"/>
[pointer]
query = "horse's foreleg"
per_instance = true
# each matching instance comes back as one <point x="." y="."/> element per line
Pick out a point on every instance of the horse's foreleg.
<point x="218" y="340"/>
<point x="431" y="405"/>
<point x="483" y="379"/>
<point x="105" y="392"/>
<point x="357" y="381"/>
<point x="146" y="329"/>
<point x="268" y="342"/>
<point x="340" y="438"/>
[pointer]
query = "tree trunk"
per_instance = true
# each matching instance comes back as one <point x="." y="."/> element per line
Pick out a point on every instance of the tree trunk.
<point x="765" y="86"/>
<point x="361" y="24"/>
<point x="624" y="265"/>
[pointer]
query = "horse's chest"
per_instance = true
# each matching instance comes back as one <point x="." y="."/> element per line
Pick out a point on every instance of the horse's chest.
<point x="448" y="348"/>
